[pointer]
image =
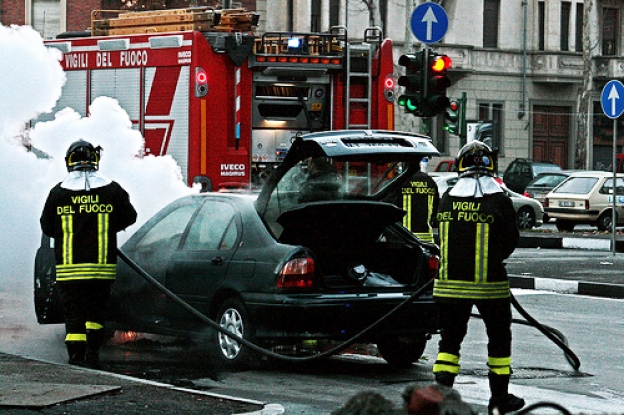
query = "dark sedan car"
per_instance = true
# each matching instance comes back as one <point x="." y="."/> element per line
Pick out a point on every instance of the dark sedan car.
<point x="310" y="257"/>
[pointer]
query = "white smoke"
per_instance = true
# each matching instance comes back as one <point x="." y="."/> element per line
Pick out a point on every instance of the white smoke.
<point x="32" y="79"/>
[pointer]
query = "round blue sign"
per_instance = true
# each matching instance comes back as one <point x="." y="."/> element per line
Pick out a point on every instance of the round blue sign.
<point x="429" y="22"/>
<point x="612" y="99"/>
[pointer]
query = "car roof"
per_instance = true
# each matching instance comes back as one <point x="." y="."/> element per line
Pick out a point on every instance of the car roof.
<point x="595" y="173"/>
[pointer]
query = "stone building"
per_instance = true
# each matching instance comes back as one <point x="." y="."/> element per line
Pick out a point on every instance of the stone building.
<point x="532" y="69"/>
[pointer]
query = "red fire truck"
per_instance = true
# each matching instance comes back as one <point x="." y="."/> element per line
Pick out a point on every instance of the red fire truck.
<point x="226" y="104"/>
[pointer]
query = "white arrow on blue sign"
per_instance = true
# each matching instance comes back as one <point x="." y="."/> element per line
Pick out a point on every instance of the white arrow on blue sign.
<point x="429" y="22"/>
<point x="612" y="99"/>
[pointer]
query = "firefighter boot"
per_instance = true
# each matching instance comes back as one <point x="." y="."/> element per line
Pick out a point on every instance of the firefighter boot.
<point x="502" y="401"/>
<point x="445" y="378"/>
<point x="76" y="351"/>
<point x="95" y="339"/>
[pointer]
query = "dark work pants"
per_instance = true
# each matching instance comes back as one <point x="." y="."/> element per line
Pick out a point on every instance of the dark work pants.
<point x="496" y="315"/>
<point x="84" y="307"/>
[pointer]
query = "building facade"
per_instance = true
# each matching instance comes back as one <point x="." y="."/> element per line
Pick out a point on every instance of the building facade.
<point x="532" y="69"/>
<point x="525" y="66"/>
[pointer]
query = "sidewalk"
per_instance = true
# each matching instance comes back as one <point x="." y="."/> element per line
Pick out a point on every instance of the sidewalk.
<point x="34" y="387"/>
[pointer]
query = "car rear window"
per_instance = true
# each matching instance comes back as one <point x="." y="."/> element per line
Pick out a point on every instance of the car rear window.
<point x="577" y="185"/>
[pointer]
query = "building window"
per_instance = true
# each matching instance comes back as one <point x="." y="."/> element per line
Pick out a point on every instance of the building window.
<point x="490" y="23"/>
<point x="578" y="41"/>
<point x="334" y="13"/>
<point x="564" y="41"/>
<point x="315" y="16"/>
<point x="491" y="115"/>
<point x="541" y="26"/>
<point x="46" y="17"/>
<point x="610" y="30"/>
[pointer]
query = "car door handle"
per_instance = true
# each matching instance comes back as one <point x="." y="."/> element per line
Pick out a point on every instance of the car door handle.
<point x="218" y="260"/>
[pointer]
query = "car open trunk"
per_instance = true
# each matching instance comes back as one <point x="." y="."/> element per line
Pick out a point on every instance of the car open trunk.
<point x="356" y="243"/>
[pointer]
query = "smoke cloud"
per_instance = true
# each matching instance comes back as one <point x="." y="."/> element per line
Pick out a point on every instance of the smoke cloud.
<point x="32" y="79"/>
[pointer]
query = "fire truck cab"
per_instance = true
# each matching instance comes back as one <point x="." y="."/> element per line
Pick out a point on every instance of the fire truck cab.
<point x="225" y="103"/>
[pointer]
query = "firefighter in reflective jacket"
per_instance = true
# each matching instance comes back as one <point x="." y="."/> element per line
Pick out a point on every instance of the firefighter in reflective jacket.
<point x="478" y="231"/>
<point x="83" y="214"/>
<point x="419" y="199"/>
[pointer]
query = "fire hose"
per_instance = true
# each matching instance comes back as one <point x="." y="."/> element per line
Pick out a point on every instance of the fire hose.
<point x="554" y="335"/>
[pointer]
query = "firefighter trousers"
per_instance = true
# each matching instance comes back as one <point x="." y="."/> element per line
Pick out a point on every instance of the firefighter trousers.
<point x="454" y="316"/>
<point x="84" y="309"/>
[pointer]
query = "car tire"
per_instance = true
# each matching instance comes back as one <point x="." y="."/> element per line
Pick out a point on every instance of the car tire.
<point x="233" y="316"/>
<point x="565" y="225"/>
<point x="402" y="351"/>
<point x="605" y="221"/>
<point x="525" y="218"/>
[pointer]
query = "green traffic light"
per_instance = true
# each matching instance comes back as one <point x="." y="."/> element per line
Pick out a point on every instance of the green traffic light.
<point x="411" y="105"/>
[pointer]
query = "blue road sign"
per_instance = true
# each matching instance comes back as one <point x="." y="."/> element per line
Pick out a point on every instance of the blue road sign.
<point x="429" y="22"/>
<point x="612" y="99"/>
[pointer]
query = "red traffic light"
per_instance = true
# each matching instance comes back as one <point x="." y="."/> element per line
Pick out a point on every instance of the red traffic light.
<point x="441" y="63"/>
<point x="453" y="106"/>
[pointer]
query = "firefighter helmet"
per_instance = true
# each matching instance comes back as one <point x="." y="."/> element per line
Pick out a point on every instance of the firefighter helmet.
<point x="475" y="157"/>
<point x="81" y="155"/>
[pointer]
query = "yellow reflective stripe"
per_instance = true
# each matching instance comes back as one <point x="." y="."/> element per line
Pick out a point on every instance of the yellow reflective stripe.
<point x="443" y="230"/>
<point x="76" y="337"/>
<point x="470" y="289"/>
<point x="85" y="271"/>
<point x="504" y="370"/>
<point x="407" y="206"/>
<point x="67" y="225"/>
<point x="102" y="237"/>
<point x="430" y="213"/>
<point x="441" y="367"/>
<point x="92" y="325"/>
<point x="426" y="236"/>
<point x="448" y="357"/>
<point x="499" y="361"/>
<point x="481" y="252"/>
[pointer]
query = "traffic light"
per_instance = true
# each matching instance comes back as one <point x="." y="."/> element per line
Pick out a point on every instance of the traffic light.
<point x="451" y="117"/>
<point x="438" y="81"/>
<point x="412" y="99"/>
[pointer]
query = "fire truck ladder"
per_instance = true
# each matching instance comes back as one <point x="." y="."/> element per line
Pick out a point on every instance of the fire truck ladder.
<point x="359" y="79"/>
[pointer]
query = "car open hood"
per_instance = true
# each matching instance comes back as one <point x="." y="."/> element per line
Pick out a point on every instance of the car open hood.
<point x="345" y="223"/>
<point x="349" y="146"/>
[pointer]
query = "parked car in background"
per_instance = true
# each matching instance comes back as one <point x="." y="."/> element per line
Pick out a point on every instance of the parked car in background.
<point x="539" y="187"/>
<point x="284" y="265"/>
<point x="586" y="198"/>
<point x="521" y="171"/>
<point x="529" y="212"/>
<point x="446" y="165"/>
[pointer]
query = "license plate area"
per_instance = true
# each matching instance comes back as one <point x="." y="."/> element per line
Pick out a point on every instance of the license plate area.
<point x="566" y="204"/>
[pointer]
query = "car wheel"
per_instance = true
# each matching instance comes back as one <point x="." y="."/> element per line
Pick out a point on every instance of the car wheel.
<point x="402" y="350"/>
<point x="234" y="318"/>
<point x="605" y="221"/>
<point x="565" y="225"/>
<point x="525" y="218"/>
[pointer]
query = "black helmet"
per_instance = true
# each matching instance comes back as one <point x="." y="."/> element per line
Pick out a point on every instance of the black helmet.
<point x="476" y="158"/>
<point x="81" y="155"/>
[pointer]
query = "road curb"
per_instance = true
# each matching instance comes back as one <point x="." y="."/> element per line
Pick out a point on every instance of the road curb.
<point x="550" y="241"/>
<point x="567" y="287"/>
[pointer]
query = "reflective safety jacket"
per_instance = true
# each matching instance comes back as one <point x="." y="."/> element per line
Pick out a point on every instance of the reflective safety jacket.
<point x="84" y="225"/>
<point x="419" y="199"/>
<point x="476" y="236"/>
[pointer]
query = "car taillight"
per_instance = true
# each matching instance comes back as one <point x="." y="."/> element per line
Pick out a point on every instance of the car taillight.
<point x="297" y="273"/>
<point x="545" y="204"/>
<point x="434" y="263"/>
<point x="527" y="194"/>
<point x="586" y="204"/>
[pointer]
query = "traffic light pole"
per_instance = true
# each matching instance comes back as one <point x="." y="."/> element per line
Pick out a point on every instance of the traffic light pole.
<point x="463" y="128"/>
